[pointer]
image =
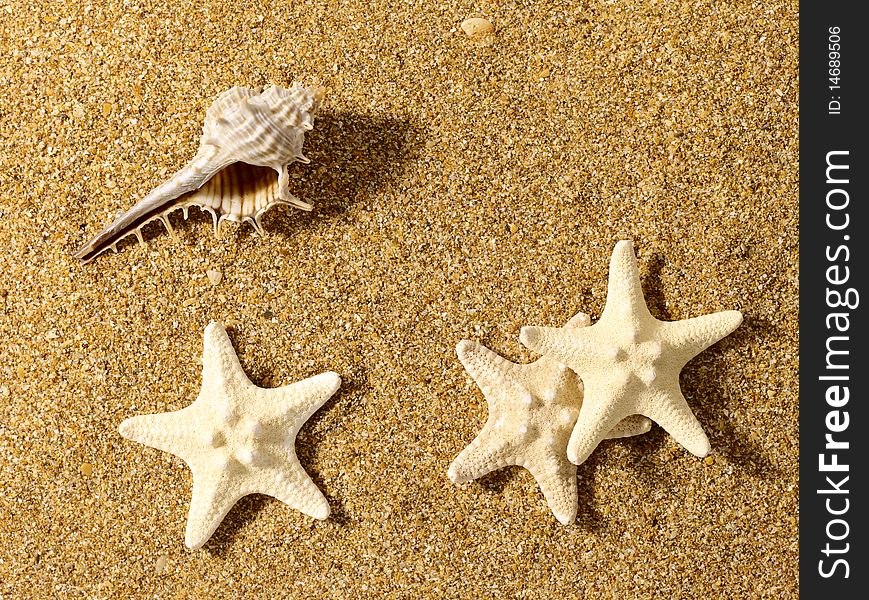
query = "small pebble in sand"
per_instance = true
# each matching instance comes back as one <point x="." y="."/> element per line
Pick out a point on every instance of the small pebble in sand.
<point x="86" y="469"/>
<point x="107" y="108"/>
<point x="160" y="564"/>
<point x="214" y="276"/>
<point x="709" y="460"/>
<point x="477" y="27"/>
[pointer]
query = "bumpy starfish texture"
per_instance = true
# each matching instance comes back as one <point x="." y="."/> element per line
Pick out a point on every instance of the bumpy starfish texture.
<point x="532" y="409"/>
<point x="629" y="361"/>
<point x="237" y="438"/>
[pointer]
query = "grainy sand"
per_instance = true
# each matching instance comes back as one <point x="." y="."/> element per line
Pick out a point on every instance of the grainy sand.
<point x="463" y="189"/>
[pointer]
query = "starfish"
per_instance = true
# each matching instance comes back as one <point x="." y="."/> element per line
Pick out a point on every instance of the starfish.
<point x="630" y="361"/>
<point x="532" y="409"/>
<point x="237" y="438"/>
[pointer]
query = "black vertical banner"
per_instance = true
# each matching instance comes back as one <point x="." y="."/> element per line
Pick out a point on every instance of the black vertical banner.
<point x="834" y="301"/>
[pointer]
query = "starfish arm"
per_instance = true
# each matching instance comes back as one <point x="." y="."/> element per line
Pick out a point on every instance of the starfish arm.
<point x="162" y="431"/>
<point x="292" y="486"/>
<point x="557" y="480"/>
<point x="568" y="347"/>
<point x="670" y="410"/>
<point x="578" y="320"/>
<point x="489" y="370"/>
<point x="691" y="336"/>
<point x="599" y="415"/>
<point x="212" y="498"/>
<point x="219" y="359"/>
<point x="630" y="426"/>
<point x="485" y="454"/>
<point x="295" y="403"/>
<point x="624" y="298"/>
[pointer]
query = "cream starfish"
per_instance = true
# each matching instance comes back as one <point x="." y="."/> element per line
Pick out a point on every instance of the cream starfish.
<point x="532" y="409"/>
<point x="629" y="361"/>
<point x="237" y="438"/>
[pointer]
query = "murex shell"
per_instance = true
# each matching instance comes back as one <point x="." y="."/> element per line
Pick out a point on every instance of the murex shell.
<point x="249" y="139"/>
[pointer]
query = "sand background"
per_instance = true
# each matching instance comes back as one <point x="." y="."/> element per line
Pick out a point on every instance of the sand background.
<point x="463" y="189"/>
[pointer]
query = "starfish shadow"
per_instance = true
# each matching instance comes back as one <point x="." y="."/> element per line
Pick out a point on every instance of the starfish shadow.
<point x="350" y="395"/>
<point x="700" y="374"/>
<point x="588" y="516"/>
<point x="639" y="449"/>
<point x="353" y="156"/>
<point x="497" y="480"/>
<point x="653" y="289"/>
<point x="243" y="512"/>
<point x="653" y="476"/>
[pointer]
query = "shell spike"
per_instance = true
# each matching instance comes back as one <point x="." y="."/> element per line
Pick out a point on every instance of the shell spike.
<point x="283" y="182"/>
<point x="213" y="214"/>
<point x="257" y="224"/>
<point x="165" y="219"/>
<point x="300" y="204"/>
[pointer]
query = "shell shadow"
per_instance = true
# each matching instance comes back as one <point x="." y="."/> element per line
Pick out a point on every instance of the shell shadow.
<point x="354" y="156"/>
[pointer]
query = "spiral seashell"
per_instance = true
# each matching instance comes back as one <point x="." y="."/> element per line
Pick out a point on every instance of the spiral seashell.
<point x="249" y="139"/>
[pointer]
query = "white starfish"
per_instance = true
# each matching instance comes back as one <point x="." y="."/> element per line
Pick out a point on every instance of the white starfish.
<point x="237" y="438"/>
<point x="532" y="409"/>
<point x="629" y="361"/>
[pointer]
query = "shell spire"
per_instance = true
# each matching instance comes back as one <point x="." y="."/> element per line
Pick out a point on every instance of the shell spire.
<point x="249" y="140"/>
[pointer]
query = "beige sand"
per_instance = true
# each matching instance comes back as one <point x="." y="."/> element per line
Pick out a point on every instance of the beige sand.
<point x="463" y="189"/>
